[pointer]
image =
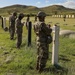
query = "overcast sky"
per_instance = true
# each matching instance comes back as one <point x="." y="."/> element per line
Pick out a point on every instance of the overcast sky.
<point x="39" y="3"/>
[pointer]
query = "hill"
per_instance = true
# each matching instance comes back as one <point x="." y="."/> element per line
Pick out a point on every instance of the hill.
<point x="54" y="9"/>
<point x="58" y="9"/>
<point x="19" y="8"/>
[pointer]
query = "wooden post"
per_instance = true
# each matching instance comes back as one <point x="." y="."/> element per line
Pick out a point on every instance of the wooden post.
<point x="29" y="33"/>
<point x="67" y="16"/>
<point x="55" y="45"/>
<point x="61" y="16"/>
<point x="55" y="15"/>
<point x="1" y="21"/>
<point x="4" y="24"/>
<point x="73" y="16"/>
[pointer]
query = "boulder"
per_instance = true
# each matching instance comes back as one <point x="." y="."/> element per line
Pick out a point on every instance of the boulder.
<point x="67" y="33"/>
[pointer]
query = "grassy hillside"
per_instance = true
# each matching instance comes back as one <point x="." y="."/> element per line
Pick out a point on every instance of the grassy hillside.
<point x="19" y="8"/>
<point x="54" y="9"/>
<point x="22" y="61"/>
<point x="58" y="9"/>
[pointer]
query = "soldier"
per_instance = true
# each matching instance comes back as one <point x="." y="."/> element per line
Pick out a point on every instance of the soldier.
<point x="42" y="32"/>
<point x="19" y="29"/>
<point x="12" y="19"/>
<point x="64" y="17"/>
<point x="27" y="20"/>
<point x="0" y="17"/>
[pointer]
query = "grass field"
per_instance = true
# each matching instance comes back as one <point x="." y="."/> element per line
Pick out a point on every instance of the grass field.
<point x="23" y="61"/>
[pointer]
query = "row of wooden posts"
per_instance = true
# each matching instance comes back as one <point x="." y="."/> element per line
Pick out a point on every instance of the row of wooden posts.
<point x="61" y="16"/>
<point x="55" y="47"/>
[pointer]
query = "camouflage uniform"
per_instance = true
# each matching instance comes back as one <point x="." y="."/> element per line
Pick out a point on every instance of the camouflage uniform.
<point x="12" y="19"/>
<point x="41" y="30"/>
<point x="35" y="18"/>
<point x="64" y="17"/>
<point x="19" y="29"/>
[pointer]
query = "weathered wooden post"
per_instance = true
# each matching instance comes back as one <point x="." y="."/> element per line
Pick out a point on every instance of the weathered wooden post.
<point x="29" y="33"/>
<point x="1" y="21"/>
<point x="55" y="45"/>
<point x="55" y="15"/>
<point x="73" y="16"/>
<point x="4" y="23"/>
<point x="61" y="16"/>
<point x="67" y="16"/>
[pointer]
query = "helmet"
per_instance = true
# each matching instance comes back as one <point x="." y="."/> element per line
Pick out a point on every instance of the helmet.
<point x="40" y="13"/>
<point x="28" y="15"/>
<point x="14" y="13"/>
<point x="21" y="15"/>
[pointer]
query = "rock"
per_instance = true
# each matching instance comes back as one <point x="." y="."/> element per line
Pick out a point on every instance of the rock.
<point x="65" y="24"/>
<point x="50" y="22"/>
<point x="72" y="36"/>
<point x="57" y="23"/>
<point x="5" y="52"/>
<point x="1" y="48"/>
<point x="67" y="33"/>
<point x="8" y="59"/>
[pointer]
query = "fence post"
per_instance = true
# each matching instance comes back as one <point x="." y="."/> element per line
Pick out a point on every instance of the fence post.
<point x="2" y="21"/>
<point x="29" y="33"/>
<point x="4" y="24"/>
<point x="55" y="47"/>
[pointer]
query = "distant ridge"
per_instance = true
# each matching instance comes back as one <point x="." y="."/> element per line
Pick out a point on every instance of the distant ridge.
<point x="54" y="9"/>
<point x="58" y="8"/>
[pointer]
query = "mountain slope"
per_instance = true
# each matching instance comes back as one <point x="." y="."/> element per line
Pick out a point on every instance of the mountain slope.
<point x="57" y="8"/>
<point x="54" y="9"/>
<point x="19" y="8"/>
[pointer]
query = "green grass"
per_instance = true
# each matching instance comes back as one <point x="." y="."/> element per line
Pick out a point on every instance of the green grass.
<point x="68" y="24"/>
<point x="22" y="62"/>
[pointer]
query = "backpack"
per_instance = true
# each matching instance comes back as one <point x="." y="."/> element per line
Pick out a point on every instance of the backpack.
<point x="48" y="36"/>
<point x="49" y="39"/>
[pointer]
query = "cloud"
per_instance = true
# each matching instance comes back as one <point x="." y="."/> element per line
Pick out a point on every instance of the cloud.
<point x="47" y="1"/>
<point x="68" y="4"/>
<point x="69" y="0"/>
<point x="38" y="2"/>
